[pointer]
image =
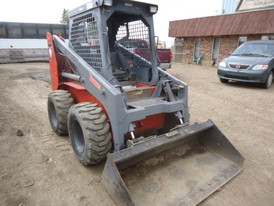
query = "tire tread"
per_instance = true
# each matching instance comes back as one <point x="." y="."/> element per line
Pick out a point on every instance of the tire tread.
<point x="97" y="131"/>
<point x="62" y="101"/>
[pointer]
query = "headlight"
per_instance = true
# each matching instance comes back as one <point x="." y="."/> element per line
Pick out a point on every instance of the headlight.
<point x="222" y="64"/>
<point x="153" y="9"/>
<point x="260" y="67"/>
<point x="108" y="2"/>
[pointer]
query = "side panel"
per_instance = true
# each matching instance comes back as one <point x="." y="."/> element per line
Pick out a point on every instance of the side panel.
<point x="80" y="94"/>
<point x="164" y="55"/>
<point x="55" y="78"/>
<point x="23" y="55"/>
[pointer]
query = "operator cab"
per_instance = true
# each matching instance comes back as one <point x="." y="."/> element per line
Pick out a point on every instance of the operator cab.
<point x="126" y="34"/>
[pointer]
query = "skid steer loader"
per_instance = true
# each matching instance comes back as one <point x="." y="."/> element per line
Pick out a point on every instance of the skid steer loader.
<point x="119" y="106"/>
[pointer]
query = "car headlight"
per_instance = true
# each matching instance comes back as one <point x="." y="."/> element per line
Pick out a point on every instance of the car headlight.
<point x="260" y="67"/>
<point x="222" y="64"/>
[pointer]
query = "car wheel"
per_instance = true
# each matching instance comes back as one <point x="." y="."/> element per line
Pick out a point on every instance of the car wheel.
<point x="269" y="81"/>
<point x="223" y="80"/>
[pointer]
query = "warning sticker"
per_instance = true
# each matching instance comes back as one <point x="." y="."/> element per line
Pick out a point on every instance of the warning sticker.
<point x="93" y="81"/>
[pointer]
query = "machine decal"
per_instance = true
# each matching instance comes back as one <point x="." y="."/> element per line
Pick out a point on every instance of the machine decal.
<point x="93" y="81"/>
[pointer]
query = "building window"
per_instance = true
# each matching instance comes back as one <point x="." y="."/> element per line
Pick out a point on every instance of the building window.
<point x="216" y="47"/>
<point x="266" y="37"/>
<point x="197" y="46"/>
<point x="178" y="50"/>
<point x="242" y="39"/>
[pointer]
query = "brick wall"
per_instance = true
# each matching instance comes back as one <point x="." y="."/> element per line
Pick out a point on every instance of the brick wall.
<point x="228" y="44"/>
<point x="188" y="50"/>
<point x="206" y="50"/>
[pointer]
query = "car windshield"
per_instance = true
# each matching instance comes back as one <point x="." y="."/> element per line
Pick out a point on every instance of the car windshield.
<point x="255" y="49"/>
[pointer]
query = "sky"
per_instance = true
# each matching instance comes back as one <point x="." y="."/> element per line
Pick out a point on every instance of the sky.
<point x="49" y="11"/>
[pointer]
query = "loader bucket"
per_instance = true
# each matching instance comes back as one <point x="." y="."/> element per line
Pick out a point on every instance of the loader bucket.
<point x="182" y="167"/>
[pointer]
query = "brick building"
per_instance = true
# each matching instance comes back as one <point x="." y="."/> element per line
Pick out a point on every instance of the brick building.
<point x="216" y="36"/>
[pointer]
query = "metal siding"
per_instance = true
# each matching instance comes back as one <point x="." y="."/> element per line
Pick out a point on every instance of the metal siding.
<point x="23" y="55"/>
<point x="23" y="43"/>
<point x="229" y="6"/>
<point x="257" y="22"/>
<point x="248" y="5"/>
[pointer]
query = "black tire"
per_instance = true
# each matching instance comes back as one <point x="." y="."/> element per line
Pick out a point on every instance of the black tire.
<point x="268" y="81"/>
<point x="89" y="133"/>
<point x="59" y="103"/>
<point x="223" y="80"/>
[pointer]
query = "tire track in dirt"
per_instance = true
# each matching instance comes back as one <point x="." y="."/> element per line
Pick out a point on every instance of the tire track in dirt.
<point x="41" y="168"/>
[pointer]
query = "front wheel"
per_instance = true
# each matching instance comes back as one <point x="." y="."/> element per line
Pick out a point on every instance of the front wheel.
<point x="269" y="81"/>
<point x="89" y="133"/>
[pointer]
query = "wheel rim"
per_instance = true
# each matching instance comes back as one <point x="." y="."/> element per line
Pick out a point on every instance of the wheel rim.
<point x="269" y="79"/>
<point x="77" y="137"/>
<point x="53" y="116"/>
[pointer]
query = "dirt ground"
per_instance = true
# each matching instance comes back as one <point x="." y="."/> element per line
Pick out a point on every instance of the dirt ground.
<point x="40" y="168"/>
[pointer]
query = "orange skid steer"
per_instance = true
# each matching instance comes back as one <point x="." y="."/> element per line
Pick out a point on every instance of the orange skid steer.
<point x="117" y="106"/>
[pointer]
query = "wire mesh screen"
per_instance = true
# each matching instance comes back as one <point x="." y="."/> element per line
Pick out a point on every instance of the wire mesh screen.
<point x="85" y="40"/>
<point x="135" y="46"/>
<point x="133" y="35"/>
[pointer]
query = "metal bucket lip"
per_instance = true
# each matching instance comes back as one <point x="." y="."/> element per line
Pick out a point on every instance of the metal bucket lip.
<point x="130" y="156"/>
<point x="157" y="142"/>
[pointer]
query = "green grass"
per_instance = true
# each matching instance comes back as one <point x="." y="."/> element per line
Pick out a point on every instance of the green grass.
<point x="2" y="70"/>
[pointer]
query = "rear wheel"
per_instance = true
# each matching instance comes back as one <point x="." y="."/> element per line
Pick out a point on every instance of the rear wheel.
<point x="223" y="80"/>
<point x="269" y="81"/>
<point x="89" y="132"/>
<point x="59" y="103"/>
